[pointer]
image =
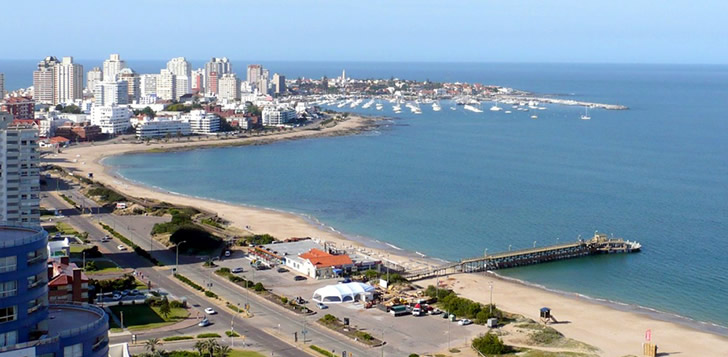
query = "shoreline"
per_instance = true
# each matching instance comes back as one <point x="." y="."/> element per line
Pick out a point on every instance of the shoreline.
<point x="282" y="224"/>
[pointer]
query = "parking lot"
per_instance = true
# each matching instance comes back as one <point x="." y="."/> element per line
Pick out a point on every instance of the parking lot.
<point x="408" y="333"/>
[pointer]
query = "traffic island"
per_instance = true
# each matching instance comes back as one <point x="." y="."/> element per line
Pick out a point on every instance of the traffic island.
<point x="333" y="323"/>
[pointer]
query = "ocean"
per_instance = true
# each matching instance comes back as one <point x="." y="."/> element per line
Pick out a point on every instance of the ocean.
<point x="450" y="184"/>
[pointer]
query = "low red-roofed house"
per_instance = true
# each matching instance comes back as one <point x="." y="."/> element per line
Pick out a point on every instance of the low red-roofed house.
<point x="66" y="282"/>
<point x="319" y="264"/>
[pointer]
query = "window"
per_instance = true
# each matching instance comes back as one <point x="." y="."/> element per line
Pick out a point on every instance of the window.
<point x="37" y="280"/>
<point x="8" y="288"/>
<point x="37" y="256"/>
<point x="73" y="351"/>
<point x="8" y="263"/>
<point x="8" y="338"/>
<point x="8" y="314"/>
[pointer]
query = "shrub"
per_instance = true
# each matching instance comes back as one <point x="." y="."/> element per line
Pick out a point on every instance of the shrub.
<point x="92" y="252"/>
<point x="177" y="338"/>
<point x="322" y="351"/>
<point x="208" y="335"/>
<point x="189" y="282"/>
<point x="328" y="319"/>
<point x="91" y="266"/>
<point x="260" y="239"/>
<point x="363" y="335"/>
<point x="106" y="194"/>
<point x="232" y="334"/>
<point x="196" y="238"/>
<point x="490" y="344"/>
<point x="176" y="304"/>
<point x="210" y="294"/>
<point x="413" y="355"/>
<point x="284" y="299"/>
<point x="258" y="287"/>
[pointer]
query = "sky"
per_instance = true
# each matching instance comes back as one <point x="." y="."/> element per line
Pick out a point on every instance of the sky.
<point x="579" y="31"/>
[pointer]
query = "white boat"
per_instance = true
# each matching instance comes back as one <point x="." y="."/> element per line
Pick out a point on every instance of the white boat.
<point x="534" y="116"/>
<point x="436" y="107"/>
<point x="495" y="107"/>
<point x="397" y="107"/>
<point x="472" y="108"/>
<point x="453" y="108"/>
<point x="507" y="112"/>
<point x="585" y="116"/>
<point x="368" y="104"/>
<point x="379" y="106"/>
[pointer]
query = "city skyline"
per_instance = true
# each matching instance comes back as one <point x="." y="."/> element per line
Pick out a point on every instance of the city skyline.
<point x="566" y="31"/>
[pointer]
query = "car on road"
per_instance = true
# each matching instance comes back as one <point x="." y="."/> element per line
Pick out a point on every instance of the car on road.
<point x="134" y="292"/>
<point x="105" y="239"/>
<point x="121" y="247"/>
<point x="227" y="253"/>
<point x="237" y="270"/>
<point x="299" y="278"/>
<point x="464" y="322"/>
<point x="116" y="297"/>
<point x="124" y="292"/>
<point x="210" y="311"/>
<point x="204" y="323"/>
<point x="282" y="270"/>
<point x="321" y="306"/>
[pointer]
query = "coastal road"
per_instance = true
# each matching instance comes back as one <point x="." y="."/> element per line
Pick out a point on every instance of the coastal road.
<point x="268" y="317"/>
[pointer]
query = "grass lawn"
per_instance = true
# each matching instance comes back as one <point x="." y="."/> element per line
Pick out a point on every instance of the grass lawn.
<point x="78" y="248"/>
<point x="142" y="317"/>
<point x="239" y="353"/>
<point x="103" y="266"/>
<point x="66" y="229"/>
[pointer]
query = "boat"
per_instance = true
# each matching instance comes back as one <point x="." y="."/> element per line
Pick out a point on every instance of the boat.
<point x="379" y="106"/>
<point x="585" y="116"/>
<point x="453" y="108"/>
<point x="507" y="112"/>
<point x="436" y="107"/>
<point x="368" y="104"/>
<point x="495" y="107"/>
<point x="534" y="116"/>
<point x="472" y="108"/>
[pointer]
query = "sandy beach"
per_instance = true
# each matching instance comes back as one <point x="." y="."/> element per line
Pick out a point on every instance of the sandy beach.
<point x="614" y="332"/>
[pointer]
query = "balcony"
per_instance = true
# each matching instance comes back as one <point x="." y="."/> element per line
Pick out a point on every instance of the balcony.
<point x="36" y="283"/>
<point x="36" y="259"/>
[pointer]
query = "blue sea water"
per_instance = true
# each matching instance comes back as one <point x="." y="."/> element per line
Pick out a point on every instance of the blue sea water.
<point x="450" y="184"/>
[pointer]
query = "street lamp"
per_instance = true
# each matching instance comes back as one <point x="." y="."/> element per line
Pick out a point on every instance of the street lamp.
<point x="176" y="259"/>
<point x="491" y="297"/>
<point x="383" y="344"/>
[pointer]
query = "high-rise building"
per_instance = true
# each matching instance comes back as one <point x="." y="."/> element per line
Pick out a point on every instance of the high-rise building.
<point x="112" y="67"/>
<point x="263" y="82"/>
<point x="30" y="325"/>
<point x="132" y="82"/>
<point x="94" y="76"/>
<point x="212" y="83"/>
<point x="68" y="81"/>
<point x="166" y="85"/>
<point x="111" y="93"/>
<point x="279" y="83"/>
<point x="198" y="80"/>
<point x="2" y="86"/>
<point x="148" y="84"/>
<point x="217" y="65"/>
<point x="182" y="72"/>
<point x="255" y="71"/>
<point x="19" y="180"/>
<point x="229" y="87"/>
<point x="19" y="107"/>
<point x="44" y="80"/>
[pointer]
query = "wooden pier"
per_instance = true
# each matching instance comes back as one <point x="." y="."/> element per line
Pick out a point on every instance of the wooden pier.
<point x="599" y="244"/>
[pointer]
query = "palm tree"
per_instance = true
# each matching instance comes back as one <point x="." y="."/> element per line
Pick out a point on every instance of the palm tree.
<point x="200" y="346"/>
<point x="211" y="345"/>
<point x="223" y="351"/>
<point x="151" y="344"/>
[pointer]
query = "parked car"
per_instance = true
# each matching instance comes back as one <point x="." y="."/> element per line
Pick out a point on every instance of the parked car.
<point x="116" y="297"/>
<point x="205" y="322"/>
<point x="321" y="306"/>
<point x="281" y="270"/>
<point x="210" y="311"/>
<point x="124" y="292"/>
<point x="227" y="253"/>
<point x="237" y="270"/>
<point x="134" y="292"/>
<point x="299" y="278"/>
<point x="464" y="322"/>
<point x="121" y="247"/>
<point x="435" y="311"/>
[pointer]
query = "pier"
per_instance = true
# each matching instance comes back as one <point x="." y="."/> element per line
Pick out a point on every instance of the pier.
<point x="599" y="244"/>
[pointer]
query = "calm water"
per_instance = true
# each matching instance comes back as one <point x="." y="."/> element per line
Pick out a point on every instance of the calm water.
<point x="450" y="184"/>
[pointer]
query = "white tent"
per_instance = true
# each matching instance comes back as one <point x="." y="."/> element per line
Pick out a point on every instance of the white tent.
<point x="345" y="292"/>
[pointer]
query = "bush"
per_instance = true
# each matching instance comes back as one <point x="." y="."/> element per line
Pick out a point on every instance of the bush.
<point x="466" y="308"/>
<point x="176" y="304"/>
<point x="106" y="194"/>
<point x="284" y="299"/>
<point x="258" y="287"/>
<point x="231" y="334"/>
<point x="328" y="319"/>
<point x="210" y="294"/>
<point x="208" y="335"/>
<point x="177" y="338"/>
<point x="490" y="344"/>
<point x="260" y="239"/>
<point x="196" y="238"/>
<point x="91" y="266"/>
<point x="127" y="282"/>
<point x="322" y="351"/>
<point x="92" y="252"/>
<point x="189" y="282"/>
<point x="413" y="355"/>
<point x="363" y="335"/>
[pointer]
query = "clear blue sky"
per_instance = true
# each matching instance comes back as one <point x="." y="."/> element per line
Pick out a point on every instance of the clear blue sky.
<point x="631" y="31"/>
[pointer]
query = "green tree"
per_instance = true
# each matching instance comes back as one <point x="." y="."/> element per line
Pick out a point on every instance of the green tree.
<point x="200" y="346"/>
<point x="164" y="308"/>
<point x="223" y="351"/>
<point x="490" y="344"/>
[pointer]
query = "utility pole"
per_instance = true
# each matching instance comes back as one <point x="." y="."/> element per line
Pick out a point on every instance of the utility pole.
<point x="491" y="297"/>
<point x="176" y="259"/>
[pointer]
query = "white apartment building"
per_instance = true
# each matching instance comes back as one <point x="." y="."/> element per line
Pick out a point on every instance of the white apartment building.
<point x="197" y="81"/>
<point x="216" y="65"/>
<point x="166" y="86"/>
<point x="92" y="77"/>
<point x="183" y="73"/>
<point x="111" y="119"/>
<point x="202" y="122"/>
<point x="148" y="84"/>
<point x="68" y="81"/>
<point x="19" y="175"/>
<point x="229" y="87"/>
<point x="111" y="93"/>
<point x="277" y="116"/>
<point x="162" y="127"/>
<point x="112" y="67"/>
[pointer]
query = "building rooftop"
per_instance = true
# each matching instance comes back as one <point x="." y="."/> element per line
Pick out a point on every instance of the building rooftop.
<point x="292" y="248"/>
<point x="69" y="319"/>
<point x="11" y="235"/>
<point x="323" y="259"/>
